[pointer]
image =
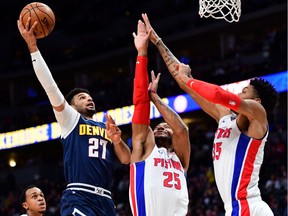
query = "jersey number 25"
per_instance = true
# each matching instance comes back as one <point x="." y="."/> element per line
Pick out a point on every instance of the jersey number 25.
<point x="172" y="179"/>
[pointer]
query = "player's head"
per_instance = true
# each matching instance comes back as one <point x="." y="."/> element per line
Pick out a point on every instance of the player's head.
<point x="82" y="101"/>
<point x="266" y="92"/>
<point x="163" y="135"/>
<point x="33" y="201"/>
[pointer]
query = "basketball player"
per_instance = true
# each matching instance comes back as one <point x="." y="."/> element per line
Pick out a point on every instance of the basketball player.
<point x="33" y="201"/>
<point x="90" y="147"/>
<point x="238" y="148"/>
<point x="159" y="159"/>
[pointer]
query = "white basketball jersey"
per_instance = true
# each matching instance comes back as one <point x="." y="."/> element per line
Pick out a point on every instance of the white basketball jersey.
<point x="158" y="185"/>
<point x="237" y="161"/>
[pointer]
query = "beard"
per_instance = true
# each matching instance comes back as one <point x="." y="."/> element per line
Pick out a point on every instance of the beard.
<point x="90" y="112"/>
<point x="163" y="141"/>
<point x="87" y="112"/>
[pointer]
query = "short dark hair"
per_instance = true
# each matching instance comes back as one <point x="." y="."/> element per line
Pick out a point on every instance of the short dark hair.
<point x="266" y="92"/>
<point x="23" y="193"/>
<point x="73" y="92"/>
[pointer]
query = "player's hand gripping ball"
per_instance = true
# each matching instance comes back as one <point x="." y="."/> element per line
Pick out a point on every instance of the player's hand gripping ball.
<point x="42" y="14"/>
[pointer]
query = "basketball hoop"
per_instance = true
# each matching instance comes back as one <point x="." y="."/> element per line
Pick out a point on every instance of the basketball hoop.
<point x="229" y="10"/>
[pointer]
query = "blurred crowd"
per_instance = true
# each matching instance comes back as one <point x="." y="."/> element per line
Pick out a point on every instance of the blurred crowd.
<point x="203" y="194"/>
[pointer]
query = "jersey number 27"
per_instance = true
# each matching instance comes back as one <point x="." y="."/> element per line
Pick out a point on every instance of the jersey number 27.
<point x="94" y="145"/>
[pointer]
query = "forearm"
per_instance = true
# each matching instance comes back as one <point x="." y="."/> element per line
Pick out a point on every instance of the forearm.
<point x="141" y="100"/>
<point x="122" y="151"/>
<point x="170" y="60"/>
<point x="169" y="115"/>
<point x="215" y="94"/>
<point x="45" y="78"/>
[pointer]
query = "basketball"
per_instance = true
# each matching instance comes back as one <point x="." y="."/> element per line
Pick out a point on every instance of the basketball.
<point x="42" y="14"/>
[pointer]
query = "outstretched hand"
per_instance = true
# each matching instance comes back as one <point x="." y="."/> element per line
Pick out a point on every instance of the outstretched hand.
<point x="27" y="32"/>
<point x="153" y="35"/>
<point x="112" y="130"/>
<point x="153" y="85"/>
<point x="141" y="39"/>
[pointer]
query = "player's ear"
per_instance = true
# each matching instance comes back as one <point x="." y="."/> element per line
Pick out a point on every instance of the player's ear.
<point x="72" y="105"/>
<point x="258" y="100"/>
<point x="25" y="205"/>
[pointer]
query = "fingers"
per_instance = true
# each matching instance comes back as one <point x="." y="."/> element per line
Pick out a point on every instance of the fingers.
<point x="107" y="122"/>
<point x="149" y="86"/>
<point x="109" y="119"/>
<point x="158" y="76"/>
<point x="141" y="27"/>
<point x="153" y="75"/>
<point x="27" y="24"/>
<point x="145" y="18"/>
<point x="33" y="26"/>
<point x="113" y="130"/>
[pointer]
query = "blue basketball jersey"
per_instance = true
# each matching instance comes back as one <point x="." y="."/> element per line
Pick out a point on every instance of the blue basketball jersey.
<point x="88" y="154"/>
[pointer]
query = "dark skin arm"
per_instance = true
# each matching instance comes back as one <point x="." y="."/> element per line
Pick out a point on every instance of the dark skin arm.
<point x="252" y="119"/>
<point x="142" y="135"/>
<point x="180" y="136"/>
<point x="172" y="64"/>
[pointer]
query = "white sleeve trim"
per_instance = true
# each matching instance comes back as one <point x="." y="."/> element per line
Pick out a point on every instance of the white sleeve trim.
<point x="67" y="119"/>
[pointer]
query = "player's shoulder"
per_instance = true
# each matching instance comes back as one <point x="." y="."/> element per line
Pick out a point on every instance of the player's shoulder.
<point x="93" y="122"/>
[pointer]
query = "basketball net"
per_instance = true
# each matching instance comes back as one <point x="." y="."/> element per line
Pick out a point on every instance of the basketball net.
<point x="229" y="10"/>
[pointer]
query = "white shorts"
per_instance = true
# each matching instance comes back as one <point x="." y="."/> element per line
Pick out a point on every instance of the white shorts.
<point x="254" y="207"/>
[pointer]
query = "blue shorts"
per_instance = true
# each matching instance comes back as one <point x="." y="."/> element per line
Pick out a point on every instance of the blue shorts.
<point x="81" y="203"/>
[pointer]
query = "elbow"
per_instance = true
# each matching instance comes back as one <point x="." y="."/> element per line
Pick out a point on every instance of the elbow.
<point x="125" y="160"/>
<point x="183" y="131"/>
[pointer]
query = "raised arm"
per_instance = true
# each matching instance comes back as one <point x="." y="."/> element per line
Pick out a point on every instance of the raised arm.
<point x="41" y="69"/>
<point x="65" y="115"/>
<point x="142" y="135"/>
<point x="172" y="64"/>
<point x="252" y="119"/>
<point x="180" y="136"/>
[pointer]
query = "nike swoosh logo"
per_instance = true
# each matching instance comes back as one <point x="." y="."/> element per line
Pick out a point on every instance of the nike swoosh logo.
<point x="34" y="60"/>
<point x="137" y="62"/>
<point x="191" y="84"/>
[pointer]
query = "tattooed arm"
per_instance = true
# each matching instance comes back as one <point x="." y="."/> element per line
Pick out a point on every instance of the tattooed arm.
<point x="172" y="63"/>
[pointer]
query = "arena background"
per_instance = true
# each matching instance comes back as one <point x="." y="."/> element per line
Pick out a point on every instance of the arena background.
<point x="92" y="47"/>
